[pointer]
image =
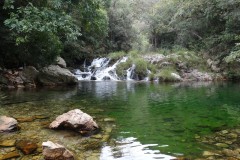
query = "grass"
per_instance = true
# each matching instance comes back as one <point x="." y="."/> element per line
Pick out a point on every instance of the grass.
<point x="117" y="55"/>
<point x="165" y="75"/>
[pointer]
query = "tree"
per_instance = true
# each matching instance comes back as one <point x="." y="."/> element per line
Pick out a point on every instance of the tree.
<point x="38" y="29"/>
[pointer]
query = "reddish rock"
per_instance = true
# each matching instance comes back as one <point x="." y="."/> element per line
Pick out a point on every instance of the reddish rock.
<point x="54" y="151"/>
<point x="75" y="120"/>
<point x="27" y="147"/>
<point x="8" y="124"/>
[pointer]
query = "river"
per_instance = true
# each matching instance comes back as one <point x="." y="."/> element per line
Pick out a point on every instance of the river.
<point x="151" y="120"/>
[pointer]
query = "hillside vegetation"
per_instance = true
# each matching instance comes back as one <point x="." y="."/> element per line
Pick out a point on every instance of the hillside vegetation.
<point x="36" y="32"/>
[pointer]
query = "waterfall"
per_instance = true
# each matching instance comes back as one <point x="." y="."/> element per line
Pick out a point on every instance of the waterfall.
<point x="99" y="70"/>
<point x="130" y="72"/>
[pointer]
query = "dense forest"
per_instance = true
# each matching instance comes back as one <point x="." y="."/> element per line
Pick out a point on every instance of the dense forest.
<point x="35" y="32"/>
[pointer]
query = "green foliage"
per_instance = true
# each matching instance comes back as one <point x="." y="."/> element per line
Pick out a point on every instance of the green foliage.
<point x="71" y="25"/>
<point x="91" y="17"/>
<point x="27" y="20"/>
<point x="122" y="67"/>
<point x="116" y="55"/>
<point x="40" y="53"/>
<point x="210" y="25"/>
<point x="234" y="56"/>
<point x="141" y="67"/>
<point x="121" y="32"/>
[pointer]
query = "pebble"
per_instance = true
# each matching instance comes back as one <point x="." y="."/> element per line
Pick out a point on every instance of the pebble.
<point x="109" y="120"/>
<point x="208" y="153"/>
<point x="97" y="136"/>
<point x="222" y="145"/>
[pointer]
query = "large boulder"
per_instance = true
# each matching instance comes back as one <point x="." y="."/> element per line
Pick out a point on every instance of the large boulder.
<point x="75" y="120"/>
<point x="8" y="124"/>
<point x="54" y="75"/>
<point x="61" y="62"/>
<point x="29" y="74"/>
<point x="54" y="151"/>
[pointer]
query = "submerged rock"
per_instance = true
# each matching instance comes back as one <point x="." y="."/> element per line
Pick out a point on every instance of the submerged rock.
<point x="7" y="143"/>
<point x="25" y="119"/>
<point x="26" y="146"/>
<point x="54" y="151"/>
<point x="54" y="75"/>
<point x="10" y="155"/>
<point x="8" y="124"/>
<point x="75" y="120"/>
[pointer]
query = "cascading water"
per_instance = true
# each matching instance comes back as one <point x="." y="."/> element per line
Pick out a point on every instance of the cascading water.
<point x="100" y="70"/>
<point x="130" y="73"/>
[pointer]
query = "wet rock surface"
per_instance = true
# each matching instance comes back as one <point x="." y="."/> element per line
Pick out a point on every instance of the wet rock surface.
<point x="26" y="146"/>
<point x="54" y="151"/>
<point x="8" y="124"/>
<point x="75" y="120"/>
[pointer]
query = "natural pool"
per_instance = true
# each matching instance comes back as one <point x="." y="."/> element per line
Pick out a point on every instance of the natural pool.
<point x="150" y="119"/>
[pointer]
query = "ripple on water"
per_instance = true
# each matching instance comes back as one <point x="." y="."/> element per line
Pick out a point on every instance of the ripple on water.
<point x="131" y="149"/>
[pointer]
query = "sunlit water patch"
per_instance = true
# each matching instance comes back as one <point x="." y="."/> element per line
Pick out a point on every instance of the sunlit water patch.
<point x="130" y="148"/>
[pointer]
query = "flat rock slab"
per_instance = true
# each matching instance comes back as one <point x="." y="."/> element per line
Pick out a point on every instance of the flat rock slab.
<point x="75" y="120"/>
<point x="10" y="155"/>
<point x="8" y="124"/>
<point x="54" y="151"/>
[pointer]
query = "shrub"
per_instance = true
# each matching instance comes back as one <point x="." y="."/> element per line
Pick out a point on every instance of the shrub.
<point x="141" y="67"/>
<point x="116" y="55"/>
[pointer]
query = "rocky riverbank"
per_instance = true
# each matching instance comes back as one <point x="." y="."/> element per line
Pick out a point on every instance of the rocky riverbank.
<point x="31" y="141"/>
<point x="30" y="77"/>
<point x="152" y="67"/>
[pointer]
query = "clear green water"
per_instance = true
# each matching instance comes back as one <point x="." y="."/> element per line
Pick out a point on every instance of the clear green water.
<point x="169" y="115"/>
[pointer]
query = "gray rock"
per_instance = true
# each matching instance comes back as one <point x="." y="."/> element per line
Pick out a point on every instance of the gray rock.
<point x="154" y="58"/>
<point x="197" y="76"/>
<point x="75" y="120"/>
<point x="8" y="124"/>
<point x="61" y="62"/>
<point x="54" y="151"/>
<point x="29" y="74"/>
<point x="54" y="75"/>
<point x="176" y="76"/>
